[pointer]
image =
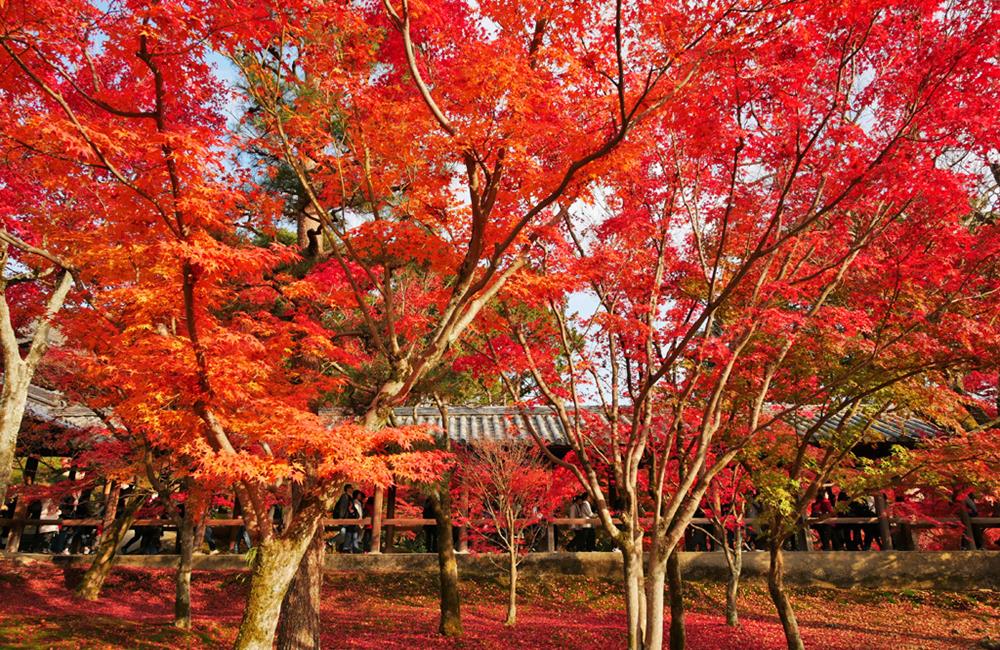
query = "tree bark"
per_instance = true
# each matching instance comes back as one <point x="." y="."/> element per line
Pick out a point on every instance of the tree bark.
<point x="776" y="587"/>
<point x="17" y="371"/>
<point x="675" y="582"/>
<point x="111" y="538"/>
<point x="635" y="597"/>
<point x="275" y="563"/>
<point x="656" y="576"/>
<point x="451" y="601"/>
<point x="512" y="594"/>
<point x="734" y="560"/>
<point x="13" y="400"/>
<point x="182" y="580"/>
<point x="299" y="626"/>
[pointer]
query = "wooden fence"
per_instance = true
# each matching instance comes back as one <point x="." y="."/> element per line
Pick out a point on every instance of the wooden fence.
<point x="379" y="523"/>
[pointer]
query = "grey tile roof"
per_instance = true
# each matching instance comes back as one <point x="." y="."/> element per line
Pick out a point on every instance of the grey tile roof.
<point x="473" y="424"/>
<point x="890" y="428"/>
<point x="52" y="407"/>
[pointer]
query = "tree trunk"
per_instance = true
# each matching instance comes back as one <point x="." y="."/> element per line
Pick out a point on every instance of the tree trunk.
<point x="182" y="580"/>
<point x="635" y="596"/>
<point x="512" y="594"/>
<point x="451" y="601"/>
<point x="299" y="626"/>
<point x="13" y="399"/>
<point x="275" y="562"/>
<point x="678" y="636"/>
<point x="656" y="572"/>
<point x="734" y="560"/>
<point x="111" y="538"/>
<point x="776" y="587"/>
<point x="17" y="372"/>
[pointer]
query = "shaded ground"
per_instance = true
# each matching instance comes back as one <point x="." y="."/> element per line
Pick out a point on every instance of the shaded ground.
<point x="37" y="610"/>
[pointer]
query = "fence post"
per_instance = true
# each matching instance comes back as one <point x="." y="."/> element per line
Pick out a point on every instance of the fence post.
<point x="550" y="537"/>
<point x="17" y="528"/>
<point x="805" y="534"/>
<point x="885" y="532"/>
<point x="390" y="513"/>
<point x="376" y="543"/>
<point x="968" y="533"/>
<point x="907" y="540"/>
<point x="463" y="530"/>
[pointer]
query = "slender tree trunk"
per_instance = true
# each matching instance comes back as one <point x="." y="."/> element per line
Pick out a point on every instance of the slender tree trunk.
<point x="111" y="538"/>
<point x="13" y="399"/>
<point x="299" y="626"/>
<point x="451" y="600"/>
<point x="512" y="594"/>
<point x="275" y="562"/>
<point x="734" y="560"/>
<point x="182" y="580"/>
<point x="635" y="596"/>
<point x="776" y="587"/>
<point x="656" y="572"/>
<point x="675" y="583"/>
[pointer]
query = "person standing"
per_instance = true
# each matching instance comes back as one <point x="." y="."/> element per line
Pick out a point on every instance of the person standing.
<point x="589" y="534"/>
<point x="574" y="513"/>
<point x="822" y="507"/>
<point x="47" y="531"/>
<point x="369" y="513"/>
<point x="430" y="530"/>
<point x="342" y="510"/>
<point x="353" y="544"/>
<point x="584" y="536"/>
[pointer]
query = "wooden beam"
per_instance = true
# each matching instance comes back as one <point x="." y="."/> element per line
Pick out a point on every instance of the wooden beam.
<point x="390" y="511"/>
<point x="17" y="527"/>
<point x="376" y="545"/>
<point x="463" y="530"/>
<point x="885" y="532"/>
<point x="968" y="531"/>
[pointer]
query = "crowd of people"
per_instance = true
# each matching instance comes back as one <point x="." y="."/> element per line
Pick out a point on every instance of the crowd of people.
<point x="45" y="536"/>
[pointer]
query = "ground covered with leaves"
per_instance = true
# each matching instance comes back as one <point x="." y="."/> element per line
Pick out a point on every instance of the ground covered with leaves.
<point x="38" y="610"/>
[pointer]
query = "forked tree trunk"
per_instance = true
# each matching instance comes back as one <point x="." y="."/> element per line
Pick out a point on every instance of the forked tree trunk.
<point x="18" y="372"/>
<point x="275" y="563"/>
<point x="107" y="547"/>
<point x="451" y="600"/>
<point x="182" y="580"/>
<point x="635" y="595"/>
<point x="299" y="626"/>
<point x="734" y="561"/>
<point x="512" y="594"/>
<point x="675" y="585"/>
<point x="13" y="399"/>
<point x="776" y="587"/>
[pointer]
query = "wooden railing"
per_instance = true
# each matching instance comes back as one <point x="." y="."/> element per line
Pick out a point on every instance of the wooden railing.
<point x="17" y="525"/>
